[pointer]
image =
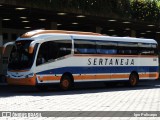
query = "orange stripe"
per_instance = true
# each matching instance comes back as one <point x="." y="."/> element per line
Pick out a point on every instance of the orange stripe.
<point x="120" y="76"/>
<point x="32" y="80"/>
<point x="88" y="77"/>
<point x="102" y="76"/>
<point x="156" y="75"/>
<point x="116" y="76"/>
<point x="45" y="78"/>
<point x="22" y="81"/>
<point x="143" y="75"/>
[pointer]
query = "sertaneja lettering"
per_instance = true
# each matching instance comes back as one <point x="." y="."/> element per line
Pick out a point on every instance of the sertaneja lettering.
<point x="126" y="63"/>
<point x="89" y="61"/>
<point x="110" y="61"/>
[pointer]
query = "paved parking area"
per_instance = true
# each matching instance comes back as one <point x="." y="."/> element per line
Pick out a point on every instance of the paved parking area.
<point x="144" y="97"/>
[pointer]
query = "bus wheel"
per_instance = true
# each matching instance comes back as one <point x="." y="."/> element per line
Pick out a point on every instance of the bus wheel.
<point x="133" y="79"/>
<point x="65" y="83"/>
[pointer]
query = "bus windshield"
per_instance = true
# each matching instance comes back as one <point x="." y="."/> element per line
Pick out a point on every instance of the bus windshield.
<point x="20" y="58"/>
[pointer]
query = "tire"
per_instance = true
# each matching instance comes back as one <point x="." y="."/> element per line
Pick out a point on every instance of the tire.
<point x="133" y="79"/>
<point x="66" y="83"/>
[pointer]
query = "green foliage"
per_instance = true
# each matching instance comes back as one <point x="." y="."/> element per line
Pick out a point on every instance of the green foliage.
<point x="146" y="10"/>
<point x="98" y="7"/>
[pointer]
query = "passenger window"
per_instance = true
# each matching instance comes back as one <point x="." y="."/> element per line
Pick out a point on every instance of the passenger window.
<point x="148" y="49"/>
<point x="148" y="52"/>
<point x="145" y="45"/>
<point x="64" y="48"/>
<point x="52" y="50"/>
<point x="106" y="48"/>
<point x="127" y="48"/>
<point x="85" y="47"/>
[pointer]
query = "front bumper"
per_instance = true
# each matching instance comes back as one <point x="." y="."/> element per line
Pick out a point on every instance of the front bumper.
<point x="22" y="81"/>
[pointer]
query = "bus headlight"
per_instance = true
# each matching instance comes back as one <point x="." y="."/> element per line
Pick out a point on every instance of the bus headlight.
<point x="30" y="75"/>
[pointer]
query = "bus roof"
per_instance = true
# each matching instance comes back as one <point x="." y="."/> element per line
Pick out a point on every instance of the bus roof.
<point x="39" y="32"/>
<point x="118" y="39"/>
<point x="81" y="35"/>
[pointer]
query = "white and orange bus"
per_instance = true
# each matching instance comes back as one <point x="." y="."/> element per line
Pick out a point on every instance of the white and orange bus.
<point x="65" y="57"/>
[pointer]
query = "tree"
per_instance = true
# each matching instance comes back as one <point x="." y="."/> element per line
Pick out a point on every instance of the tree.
<point x="145" y="10"/>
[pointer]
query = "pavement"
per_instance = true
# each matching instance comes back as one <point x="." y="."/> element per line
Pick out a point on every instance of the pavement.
<point x="84" y="97"/>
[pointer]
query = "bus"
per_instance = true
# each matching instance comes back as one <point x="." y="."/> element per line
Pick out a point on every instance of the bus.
<point x="42" y="57"/>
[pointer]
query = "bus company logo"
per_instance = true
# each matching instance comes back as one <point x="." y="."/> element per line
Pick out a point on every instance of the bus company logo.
<point x="110" y="62"/>
<point x="6" y="114"/>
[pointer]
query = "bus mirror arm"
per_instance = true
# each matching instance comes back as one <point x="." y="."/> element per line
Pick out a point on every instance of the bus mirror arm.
<point x="5" y="45"/>
<point x="31" y="47"/>
<point x="3" y="50"/>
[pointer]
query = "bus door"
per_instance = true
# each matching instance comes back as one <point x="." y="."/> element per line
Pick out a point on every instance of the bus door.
<point x="49" y="58"/>
<point x="43" y="75"/>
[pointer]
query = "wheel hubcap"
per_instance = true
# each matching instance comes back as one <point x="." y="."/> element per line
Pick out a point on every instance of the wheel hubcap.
<point x="133" y="80"/>
<point x="65" y="83"/>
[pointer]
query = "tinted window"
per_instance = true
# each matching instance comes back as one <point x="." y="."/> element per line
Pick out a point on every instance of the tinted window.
<point x="106" y="47"/>
<point x="127" y="48"/>
<point x="127" y="44"/>
<point x="127" y="51"/>
<point x="154" y="45"/>
<point x="144" y="45"/>
<point x="114" y="47"/>
<point x="84" y="47"/>
<point x="52" y="50"/>
<point x="19" y="57"/>
<point x="147" y="51"/>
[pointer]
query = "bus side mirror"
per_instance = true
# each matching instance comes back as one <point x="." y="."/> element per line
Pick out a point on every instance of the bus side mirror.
<point x="5" y="45"/>
<point x="3" y="50"/>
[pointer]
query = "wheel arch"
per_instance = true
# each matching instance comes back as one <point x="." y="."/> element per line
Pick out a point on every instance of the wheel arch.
<point x="133" y="79"/>
<point x="69" y="75"/>
<point x="134" y="72"/>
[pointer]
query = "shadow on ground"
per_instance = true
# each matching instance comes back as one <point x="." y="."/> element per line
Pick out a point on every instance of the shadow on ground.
<point x="85" y="88"/>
